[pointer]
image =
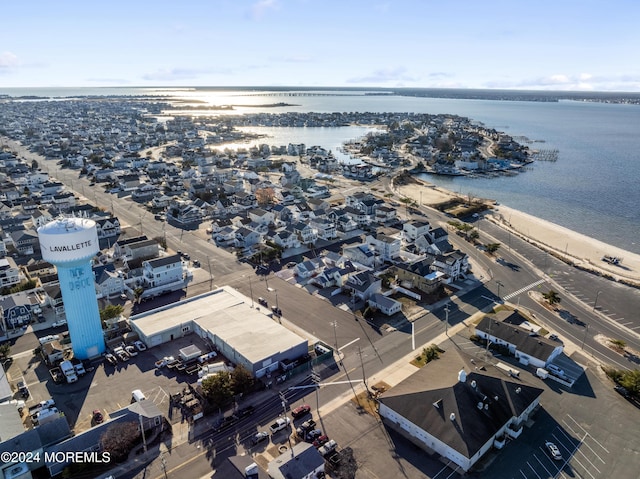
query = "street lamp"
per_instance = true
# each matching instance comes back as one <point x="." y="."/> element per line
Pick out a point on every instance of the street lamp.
<point x="499" y="284"/>
<point x="595" y="303"/>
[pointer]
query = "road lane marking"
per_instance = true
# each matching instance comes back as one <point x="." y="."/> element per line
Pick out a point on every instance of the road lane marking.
<point x="522" y="290"/>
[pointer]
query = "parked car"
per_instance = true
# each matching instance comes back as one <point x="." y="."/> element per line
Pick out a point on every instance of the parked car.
<point x="321" y="441"/>
<point x="111" y="358"/>
<point x="60" y="322"/>
<point x="259" y="437"/>
<point x="621" y="390"/>
<point x="553" y="451"/>
<point x="196" y="263"/>
<point x="124" y="297"/>
<point x="131" y="351"/>
<point x="49" y="338"/>
<point x="301" y="411"/>
<point x="313" y="435"/>
<point x="140" y="346"/>
<point x="23" y="389"/>
<point x="554" y="337"/>
<point x="245" y="411"/>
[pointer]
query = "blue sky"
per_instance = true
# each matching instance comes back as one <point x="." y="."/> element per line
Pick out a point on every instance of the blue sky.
<point x="551" y="45"/>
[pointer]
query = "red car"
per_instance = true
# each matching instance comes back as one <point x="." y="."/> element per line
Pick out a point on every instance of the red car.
<point x="301" y="411"/>
<point x="321" y="441"/>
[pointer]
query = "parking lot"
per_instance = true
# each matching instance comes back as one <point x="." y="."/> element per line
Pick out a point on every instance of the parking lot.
<point x="582" y="454"/>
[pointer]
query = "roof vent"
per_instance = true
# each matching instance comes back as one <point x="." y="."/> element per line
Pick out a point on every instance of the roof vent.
<point x="495" y="398"/>
<point x="473" y="384"/>
<point x="518" y="390"/>
<point x="452" y="416"/>
<point x="480" y="405"/>
<point x="462" y="376"/>
<point x="486" y="407"/>
<point x="437" y="404"/>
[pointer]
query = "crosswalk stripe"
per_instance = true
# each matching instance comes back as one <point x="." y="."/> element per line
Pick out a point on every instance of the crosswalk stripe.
<point x="522" y="290"/>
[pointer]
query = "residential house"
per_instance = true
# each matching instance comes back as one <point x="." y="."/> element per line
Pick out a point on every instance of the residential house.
<point x="454" y="265"/>
<point x="40" y="218"/>
<point x="141" y="250"/>
<point x="418" y="275"/>
<point x="308" y="268"/>
<point x="162" y="271"/>
<point x="412" y="230"/>
<point x="359" y="217"/>
<point x="529" y="348"/>
<point x="386" y="305"/>
<point x="386" y="214"/>
<point x="361" y="253"/>
<point x="36" y="269"/>
<point x="363" y="285"/>
<point x="53" y="295"/>
<point x="119" y="248"/>
<point x="306" y="234"/>
<point x="144" y="414"/>
<point x="324" y="227"/>
<point x="245" y="237"/>
<point x="226" y="236"/>
<point x="261" y="216"/>
<point x="459" y="416"/>
<point x="108" y="227"/>
<point x="286" y="239"/>
<point x="387" y="247"/>
<point x="9" y="272"/>
<point x="26" y="242"/>
<point x="17" y="309"/>
<point x="108" y="281"/>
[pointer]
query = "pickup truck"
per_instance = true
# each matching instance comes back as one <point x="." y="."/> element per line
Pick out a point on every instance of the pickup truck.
<point x="42" y="405"/>
<point x="328" y="448"/>
<point x="280" y="424"/>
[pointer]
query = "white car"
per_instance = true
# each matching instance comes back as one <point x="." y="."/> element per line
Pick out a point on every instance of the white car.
<point x="131" y="351"/>
<point x="48" y="339"/>
<point x="140" y="346"/>
<point x="553" y="450"/>
<point x="60" y="322"/>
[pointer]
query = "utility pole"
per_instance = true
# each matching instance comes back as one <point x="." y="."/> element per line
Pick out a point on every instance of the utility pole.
<point x="283" y="398"/>
<point x="446" y="321"/>
<point x="364" y="377"/>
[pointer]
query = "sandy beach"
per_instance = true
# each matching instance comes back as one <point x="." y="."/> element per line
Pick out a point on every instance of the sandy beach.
<point x="580" y="249"/>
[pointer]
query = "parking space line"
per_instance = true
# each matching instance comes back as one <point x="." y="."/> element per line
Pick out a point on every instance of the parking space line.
<point x="543" y="466"/>
<point x="523" y="474"/>
<point x="572" y="454"/>
<point x="587" y="433"/>
<point x="534" y="471"/>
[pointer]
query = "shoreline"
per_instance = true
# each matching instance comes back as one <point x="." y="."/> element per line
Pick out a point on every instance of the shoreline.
<point x="579" y="249"/>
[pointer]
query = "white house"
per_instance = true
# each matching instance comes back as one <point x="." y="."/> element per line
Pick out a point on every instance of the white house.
<point x="162" y="271"/>
<point x="386" y="246"/>
<point x="460" y="416"/>
<point x="411" y="231"/>
<point x="529" y="349"/>
<point x="386" y="305"/>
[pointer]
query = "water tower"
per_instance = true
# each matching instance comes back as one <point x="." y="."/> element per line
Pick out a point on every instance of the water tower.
<point x="70" y="243"/>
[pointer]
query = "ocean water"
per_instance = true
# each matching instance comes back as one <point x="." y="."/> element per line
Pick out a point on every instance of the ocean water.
<point x="593" y="187"/>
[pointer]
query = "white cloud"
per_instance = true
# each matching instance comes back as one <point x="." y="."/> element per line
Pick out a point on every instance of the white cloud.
<point x="385" y="75"/>
<point x="8" y="60"/>
<point x="168" y="74"/>
<point x="262" y="7"/>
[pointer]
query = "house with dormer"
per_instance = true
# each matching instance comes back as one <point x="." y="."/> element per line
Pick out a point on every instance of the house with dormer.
<point x="17" y="309"/>
<point x="361" y="253"/>
<point x="306" y="234"/>
<point x="246" y="237"/>
<point x="26" y="242"/>
<point x="108" y="228"/>
<point x="308" y="268"/>
<point x="324" y="227"/>
<point x="363" y="285"/>
<point x="454" y="265"/>
<point x="418" y="275"/>
<point x="287" y="239"/>
<point x="108" y="281"/>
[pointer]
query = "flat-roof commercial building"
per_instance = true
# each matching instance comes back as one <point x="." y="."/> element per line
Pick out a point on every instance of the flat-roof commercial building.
<point x="243" y="334"/>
